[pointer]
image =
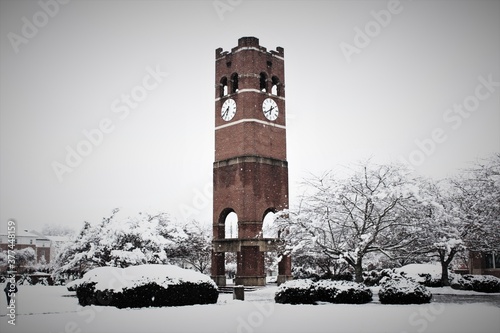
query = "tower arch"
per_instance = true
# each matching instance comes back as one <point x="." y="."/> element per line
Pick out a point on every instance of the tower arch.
<point x="268" y="230"/>
<point x="228" y="222"/>
<point x="231" y="225"/>
<point x="224" y="90"/>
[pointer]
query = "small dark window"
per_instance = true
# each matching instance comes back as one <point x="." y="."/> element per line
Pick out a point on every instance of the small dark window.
<point x="263" y="82"/>
<point x="234" y="83"/>
<point x="228" y="64"/>
<point x="223" y="87"/>
<point x="489" y="260"/>
<point x="492" y="260"/>
<point x="276" y="88"/>
<point x="269" y="64"/>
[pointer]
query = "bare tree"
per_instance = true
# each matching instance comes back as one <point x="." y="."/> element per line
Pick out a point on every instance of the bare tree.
<point x="372" y="210"/>
<point x="477" y="195"/>
<point x="457" y="215"/>
<point x="441" y="230"/>
<point x="196" y="248"/>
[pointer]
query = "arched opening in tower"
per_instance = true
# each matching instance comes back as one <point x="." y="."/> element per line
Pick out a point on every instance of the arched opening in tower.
<point x="231" y="225"/>
<point x="271" y="259"/>
<point x="268" y="228"/>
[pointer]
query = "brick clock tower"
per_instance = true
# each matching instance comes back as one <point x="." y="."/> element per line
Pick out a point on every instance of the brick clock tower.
<point x="250" y="172"/>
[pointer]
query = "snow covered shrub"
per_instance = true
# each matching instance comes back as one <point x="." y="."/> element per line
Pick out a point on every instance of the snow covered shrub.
<point x="304" y="273"/>
<point x="427" y="274"/>
<point x="71" y="286"/>
<point x="307" y="291"/>
<point x="480" y="283"/>
<point x="390" y="274"/>
<point x="403" y="291"/>
<point x="342" y="292"/>
<point x="372" y="278"/>
<point x="144" y="286"/>
<point x="460" y="282"/>
<point x="296" y="292"/>
<point x="430" y="280"/>
<point x="25" y="280"/>
<point x="486" y="284"/>
<point x="346" y="276"/>
<point x="43" y="281"/>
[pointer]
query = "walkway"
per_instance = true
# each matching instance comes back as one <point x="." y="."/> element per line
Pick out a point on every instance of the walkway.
<point x="463" y="299"/>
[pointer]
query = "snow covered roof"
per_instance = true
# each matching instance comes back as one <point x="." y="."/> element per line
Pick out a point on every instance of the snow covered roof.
<point x="39" y="236"/>
<point x="59" y="238"/>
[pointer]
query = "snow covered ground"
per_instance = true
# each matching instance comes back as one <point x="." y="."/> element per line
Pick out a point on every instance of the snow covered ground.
<point x="54" y="309"/>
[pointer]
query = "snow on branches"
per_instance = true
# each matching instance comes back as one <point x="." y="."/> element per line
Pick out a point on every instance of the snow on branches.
<point x="143" y="239"/>
<point x="345" y="219"/>
<point x="385" y="210"/>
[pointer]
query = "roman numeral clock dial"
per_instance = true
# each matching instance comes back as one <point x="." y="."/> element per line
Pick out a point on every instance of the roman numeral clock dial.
<point x="228" y="109"/>
<point x="270" y="109"/>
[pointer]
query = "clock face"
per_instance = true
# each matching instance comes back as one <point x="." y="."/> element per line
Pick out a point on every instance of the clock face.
<point x="228" y="109"/>
<point x="270" y="109"/>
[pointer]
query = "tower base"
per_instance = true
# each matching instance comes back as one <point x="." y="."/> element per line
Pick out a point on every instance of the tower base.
<point x="220" y="280"/>
<point x="283" y="278"/>
<point x="250" y="281"/>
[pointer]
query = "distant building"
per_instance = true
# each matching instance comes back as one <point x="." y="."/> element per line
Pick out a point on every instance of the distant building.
<point x="484" y="263"/>
<point x="45" y="247"/>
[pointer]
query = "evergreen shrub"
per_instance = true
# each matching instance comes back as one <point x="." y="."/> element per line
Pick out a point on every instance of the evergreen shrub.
<point x="403" y="291"/>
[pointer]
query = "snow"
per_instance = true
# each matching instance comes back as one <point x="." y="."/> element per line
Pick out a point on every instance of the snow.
<point x="415" y="269"/>
<point x="404" y="285"/>
<point x="451" y="291"/>
<point x="403" y="291"/>
<point x="117" y="279"/>
<point x="49" y="309"/>
<point x="347" y="285"/>
<point x="297" y="284"/>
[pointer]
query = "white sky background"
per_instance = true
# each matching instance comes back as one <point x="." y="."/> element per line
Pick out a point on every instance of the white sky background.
<point x="65" y="78"/>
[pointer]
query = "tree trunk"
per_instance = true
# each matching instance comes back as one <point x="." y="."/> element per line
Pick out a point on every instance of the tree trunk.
<point x="358" y="271"/>
<point x="444" y="274"/>
<point x="445" y="281"/>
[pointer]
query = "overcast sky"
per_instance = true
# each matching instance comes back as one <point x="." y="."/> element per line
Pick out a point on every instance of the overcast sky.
<point x="363" y="78"/>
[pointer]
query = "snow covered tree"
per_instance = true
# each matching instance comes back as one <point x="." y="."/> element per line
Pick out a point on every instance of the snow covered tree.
<point x="477" y="195"/>
<point x="195" y="249"/>
<point x="458" y="215"/>
<point x="56" y="230"/>
<point x="144" y="239"/>
<point x="441" y="230"/>
<point x="72" y="258"/>
<point x="345" y="219"/>
<point x="24" y="258"/>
